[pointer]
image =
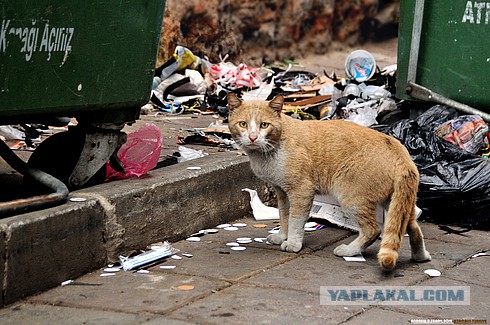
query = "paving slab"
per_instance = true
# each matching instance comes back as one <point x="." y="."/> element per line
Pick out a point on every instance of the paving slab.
<point x="130" y="292"/>
<point x="474" y="271"/>
<point x="243" y="304"/>
<point x="231" y="265"/>
<point x="479" y="308"/>
<point x="43" y="314"/>
<point x="380" y="316"/>
<point x="476" y="238"/>
<point x="443" y="255"/>
<point x="215" y="260"/>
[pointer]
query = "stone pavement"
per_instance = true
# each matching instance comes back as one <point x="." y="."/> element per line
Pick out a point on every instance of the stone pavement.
<point x="262" y="285"/>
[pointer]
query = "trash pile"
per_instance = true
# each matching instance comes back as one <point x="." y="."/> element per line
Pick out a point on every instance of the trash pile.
<point x="451" y="150"/>
<point x="187" y="83"/>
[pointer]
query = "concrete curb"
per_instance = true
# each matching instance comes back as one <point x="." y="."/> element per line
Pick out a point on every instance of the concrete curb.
<point x="43" y="248"/>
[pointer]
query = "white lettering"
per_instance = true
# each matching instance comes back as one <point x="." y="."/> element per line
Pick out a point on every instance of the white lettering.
<point x="3" y="36"/>
<point x="487" y="16"/>
<point x="44" y="39"/>
<point x="468" y="13"/>
<point x="477" y="12"/>
<point x="479" y="6"/>
<point x="53" y="39"/>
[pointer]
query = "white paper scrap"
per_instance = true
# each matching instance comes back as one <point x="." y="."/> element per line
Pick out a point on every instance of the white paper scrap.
<point x="355" y="258"/>
<point x="260" y="210"/>
<point x="327" y="207"/>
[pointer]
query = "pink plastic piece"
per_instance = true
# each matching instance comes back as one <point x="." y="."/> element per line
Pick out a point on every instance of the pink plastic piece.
<point x="139" y="154"/>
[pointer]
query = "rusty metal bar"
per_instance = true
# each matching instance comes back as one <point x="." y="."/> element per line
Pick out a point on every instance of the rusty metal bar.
<point x="60" y="190"/>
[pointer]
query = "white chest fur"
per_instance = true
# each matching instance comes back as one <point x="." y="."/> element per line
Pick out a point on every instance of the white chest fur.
<point x="269" y="167"/>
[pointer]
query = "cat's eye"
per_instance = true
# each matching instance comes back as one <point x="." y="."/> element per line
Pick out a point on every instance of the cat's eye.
<point x="242" y="124"/>
<point x="264" y="125"/>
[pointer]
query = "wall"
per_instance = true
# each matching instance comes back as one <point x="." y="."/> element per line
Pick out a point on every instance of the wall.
<point x="256" y="31"/>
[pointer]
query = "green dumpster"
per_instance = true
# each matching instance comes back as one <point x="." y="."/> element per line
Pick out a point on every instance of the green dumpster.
<point x="91" y="60"/>
<point x="444" y="47"/>
<point x="77" y="58"/>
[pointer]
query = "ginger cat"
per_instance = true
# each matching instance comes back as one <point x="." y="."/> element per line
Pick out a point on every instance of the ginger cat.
<point x="360" y="167"/>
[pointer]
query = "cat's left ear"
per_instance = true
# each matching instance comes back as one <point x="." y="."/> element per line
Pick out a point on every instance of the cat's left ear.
<point x="277" y="103"/>
<point x="233" y="101"/>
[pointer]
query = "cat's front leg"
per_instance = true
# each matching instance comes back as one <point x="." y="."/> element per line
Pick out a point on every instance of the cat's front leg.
<point x="283" y="205"/>
<point x="299" y="214"/>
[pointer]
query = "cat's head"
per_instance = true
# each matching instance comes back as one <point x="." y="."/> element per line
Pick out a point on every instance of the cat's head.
<point x="255" y="125"/>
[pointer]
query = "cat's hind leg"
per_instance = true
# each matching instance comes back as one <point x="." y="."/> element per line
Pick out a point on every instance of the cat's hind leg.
<point x="417" y="245"/>
<point x="283" y="205"/>
<point x="369" y="231"/>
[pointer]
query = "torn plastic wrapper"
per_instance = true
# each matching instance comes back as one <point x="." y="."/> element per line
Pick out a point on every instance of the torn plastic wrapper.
<point x="187" y="154"/>
<point x="153" y="255"/>
<point x="139" y="154"/>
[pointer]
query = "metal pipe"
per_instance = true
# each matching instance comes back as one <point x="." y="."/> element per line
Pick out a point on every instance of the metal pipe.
<point x="60" y="190"/>
<point x="415" y="44"/>
<point x="423" y="93"/>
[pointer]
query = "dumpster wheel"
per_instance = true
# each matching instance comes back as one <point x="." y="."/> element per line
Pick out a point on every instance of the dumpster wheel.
<point x="58" y="155"/>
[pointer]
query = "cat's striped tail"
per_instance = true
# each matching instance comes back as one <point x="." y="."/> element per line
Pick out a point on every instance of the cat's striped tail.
<point x="400" y="212"/>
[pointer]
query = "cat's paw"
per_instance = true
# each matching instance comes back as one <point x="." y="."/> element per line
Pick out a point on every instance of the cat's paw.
<point x="292" y="247"/>
<point x="346" y="250"/>
<point x="421" y="256"/>
<point x="276" y="239"/>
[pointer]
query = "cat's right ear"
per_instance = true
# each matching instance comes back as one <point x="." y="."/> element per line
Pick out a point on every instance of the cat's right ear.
<point x="233" y="101"/>
<point x="277" y="103"/>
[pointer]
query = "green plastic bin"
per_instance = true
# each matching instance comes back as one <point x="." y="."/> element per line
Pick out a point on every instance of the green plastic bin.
<point x="451" y="54"/>
<point x="89" y="59"/>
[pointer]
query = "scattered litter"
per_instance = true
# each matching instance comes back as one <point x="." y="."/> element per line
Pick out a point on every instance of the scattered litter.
<point x="187" y="154"/>
<point x="232" y="228"/>
<point x="260" y="225"/>
<point x="193" y="239"/>
<point x="233" y="244"/>
<point x="185" y="287"/>
<point x="260" y="239"/>
<point x="167" y="267"/>
<point x="312" y="226"/>
<point x="432" y="272"/>
<point x="274" y="231"/>
<point x="198" y="234"/>
<point x="260" y="210"/>
<point x="129" y="263"/>
<point x="355" y="258"/>
<point x="176" y="257"/>
<point x="187" y="255"/>
<point x="360" y="65"/>
<point x="77" y="283"/>
<point x="211" y="231"/>
<point x="240" y="224"/>
<point x="112" y="269"/>
<point x="78" y="199"/>
<point x="194" y="168"/>
<point x="107" y="274"/>
<point x="223" y="225"/>
<point x="238" y="248"/>
<point x="246" y="241"/>
<point x="480" y="254"/>
<point x="142" y="271"/>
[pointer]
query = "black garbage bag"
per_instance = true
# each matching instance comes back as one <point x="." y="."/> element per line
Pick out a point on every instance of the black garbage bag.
<point x="454" y="184"/>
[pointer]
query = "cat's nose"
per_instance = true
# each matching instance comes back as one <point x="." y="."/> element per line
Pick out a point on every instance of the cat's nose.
<point x="252" y="137"/>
